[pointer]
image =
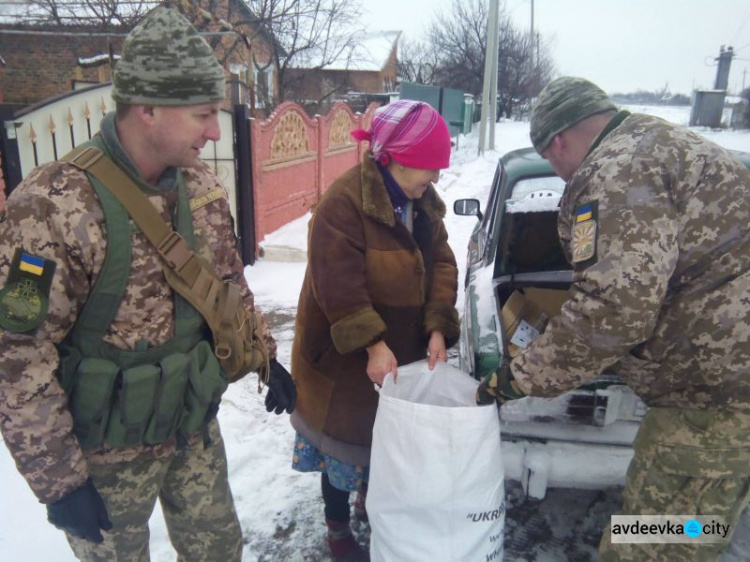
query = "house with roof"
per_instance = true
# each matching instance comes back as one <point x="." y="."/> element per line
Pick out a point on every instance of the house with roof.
<point x="43" y="61"/>
<point x="369" y="67"/>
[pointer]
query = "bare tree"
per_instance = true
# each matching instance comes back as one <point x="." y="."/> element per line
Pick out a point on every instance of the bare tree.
<point x="521" y="75"/>
<point x="99" y="14"/>
<point x="416" y="63"/>
<point x="458" y="38"/>
<point x="309" y="34"/>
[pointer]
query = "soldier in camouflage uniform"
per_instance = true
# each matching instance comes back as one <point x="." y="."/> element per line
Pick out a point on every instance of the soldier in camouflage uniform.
<point x="654" y="220"/>
<point x="168" y="87"/>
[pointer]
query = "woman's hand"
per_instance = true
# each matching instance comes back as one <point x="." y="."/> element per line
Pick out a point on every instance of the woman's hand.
<point x="436" y="350"/>
<point x="381" y="361"/>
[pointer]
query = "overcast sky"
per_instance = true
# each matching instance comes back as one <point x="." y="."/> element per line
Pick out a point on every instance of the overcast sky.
<point x="623" y="45"/>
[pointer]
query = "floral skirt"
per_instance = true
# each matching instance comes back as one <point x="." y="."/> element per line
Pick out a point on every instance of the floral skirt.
<point x="308" y="458"/>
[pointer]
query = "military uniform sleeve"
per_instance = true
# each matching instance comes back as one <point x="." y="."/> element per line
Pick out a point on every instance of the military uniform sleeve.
<point x="47" y="218"/>
<point x="216" y="238"/>
<point x="337" y="266"/>
<point x="440" y="309"/>
<point x="617" y="294"/>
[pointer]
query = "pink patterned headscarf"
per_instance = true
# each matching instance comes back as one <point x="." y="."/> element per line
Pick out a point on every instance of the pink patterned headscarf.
<point x="410" y="132"/>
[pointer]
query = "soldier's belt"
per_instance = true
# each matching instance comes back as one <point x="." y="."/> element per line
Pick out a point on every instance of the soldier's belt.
<point x="238" y="342"/>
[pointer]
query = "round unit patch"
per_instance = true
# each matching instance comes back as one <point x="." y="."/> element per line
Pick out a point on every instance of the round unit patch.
<point x="23" y="306"/>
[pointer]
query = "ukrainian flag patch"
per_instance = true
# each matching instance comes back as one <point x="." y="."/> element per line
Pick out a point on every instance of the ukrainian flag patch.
<point x="584" y="213"/>
<point x="31" y="264"/>
<point x="24" y="300"/>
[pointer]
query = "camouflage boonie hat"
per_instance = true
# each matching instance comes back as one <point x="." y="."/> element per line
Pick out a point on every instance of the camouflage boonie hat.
<point x="563" y="103"/>
<point x="165" y="61"/>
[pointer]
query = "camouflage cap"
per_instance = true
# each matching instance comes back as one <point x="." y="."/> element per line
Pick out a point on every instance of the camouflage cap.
<point x="165" y="61"/>
<point x="563" y="103"/>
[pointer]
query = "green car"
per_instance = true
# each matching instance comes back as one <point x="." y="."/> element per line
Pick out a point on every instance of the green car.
<point x="582" y="438"/>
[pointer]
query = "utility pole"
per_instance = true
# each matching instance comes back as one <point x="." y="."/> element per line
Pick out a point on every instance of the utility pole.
<point x="722" y="72"/>
<point x="532" y="36"/>
<point x="489" y="87"/>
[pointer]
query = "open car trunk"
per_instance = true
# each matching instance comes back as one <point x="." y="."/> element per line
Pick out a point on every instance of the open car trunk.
<point x="531" y="279"/>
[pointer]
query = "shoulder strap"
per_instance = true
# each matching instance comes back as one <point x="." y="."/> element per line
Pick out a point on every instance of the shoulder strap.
<point x="106" y="295"/>
<point x="198" y="282"/>
<point x="171" y="247"/>
<point x="189" y="275"/>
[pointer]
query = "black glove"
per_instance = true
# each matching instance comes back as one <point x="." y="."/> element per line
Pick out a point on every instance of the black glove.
<point x="499" y="386"/>
<point x="282" y="394"/>
<point x="81" y="513"/>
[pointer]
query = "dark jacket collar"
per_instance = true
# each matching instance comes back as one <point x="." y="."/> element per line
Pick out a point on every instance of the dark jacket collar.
<point x="377" y="205"/>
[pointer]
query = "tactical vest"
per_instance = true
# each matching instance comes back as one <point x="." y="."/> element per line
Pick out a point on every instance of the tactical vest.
<point x="147" y="395"/>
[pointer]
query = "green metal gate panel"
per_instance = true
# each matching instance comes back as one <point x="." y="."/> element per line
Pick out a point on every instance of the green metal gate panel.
<point x="452" y="108"/>
<point x="420" y="92"/>
<point x="447" y="101"/>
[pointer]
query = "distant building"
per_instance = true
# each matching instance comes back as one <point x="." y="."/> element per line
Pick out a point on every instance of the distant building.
<point x="369" y="68"/>
<point x="40" y="62"/>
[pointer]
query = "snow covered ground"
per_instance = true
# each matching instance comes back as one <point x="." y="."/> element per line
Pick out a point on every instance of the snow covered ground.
<point x="280" y="510"/>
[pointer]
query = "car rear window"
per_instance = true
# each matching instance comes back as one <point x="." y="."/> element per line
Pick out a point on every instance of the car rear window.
<point x="535" y="194"/>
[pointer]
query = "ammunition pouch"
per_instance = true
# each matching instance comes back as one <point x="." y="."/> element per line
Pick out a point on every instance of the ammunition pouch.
<point x="142" y="404"/>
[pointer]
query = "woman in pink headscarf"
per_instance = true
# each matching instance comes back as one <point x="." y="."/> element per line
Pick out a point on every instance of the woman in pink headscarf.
<point x="379" y="292"/>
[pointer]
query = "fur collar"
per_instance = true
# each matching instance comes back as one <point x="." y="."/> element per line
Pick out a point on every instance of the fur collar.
<point x="377" y="205"/>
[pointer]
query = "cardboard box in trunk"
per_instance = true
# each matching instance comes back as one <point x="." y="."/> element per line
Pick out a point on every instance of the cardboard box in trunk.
<point x="525" y="315"/>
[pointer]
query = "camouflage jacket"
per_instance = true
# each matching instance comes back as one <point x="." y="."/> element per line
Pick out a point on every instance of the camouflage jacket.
<point x="656" y="224"/>
<point x="55" y="214"/>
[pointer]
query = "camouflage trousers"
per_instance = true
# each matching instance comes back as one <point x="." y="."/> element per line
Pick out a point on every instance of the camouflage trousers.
<point x="687" y="462"/>
<point x="193" y="489"/>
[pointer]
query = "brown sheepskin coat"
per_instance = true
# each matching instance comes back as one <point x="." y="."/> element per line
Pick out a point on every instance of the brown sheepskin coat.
<point x="367" y="279"/>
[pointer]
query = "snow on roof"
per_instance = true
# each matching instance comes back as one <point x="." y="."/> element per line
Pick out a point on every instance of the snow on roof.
<point x="370" y="53"/>
<point x="95" y="60"/>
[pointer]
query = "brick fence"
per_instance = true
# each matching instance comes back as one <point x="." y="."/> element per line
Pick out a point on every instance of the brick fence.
<point x="295" y="159"/>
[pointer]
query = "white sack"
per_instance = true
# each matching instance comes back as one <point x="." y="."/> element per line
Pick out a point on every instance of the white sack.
<point x="436" y="473"/>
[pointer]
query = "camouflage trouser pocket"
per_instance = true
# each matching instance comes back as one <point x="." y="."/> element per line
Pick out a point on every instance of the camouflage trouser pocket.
<point x="699" y="443"/>
<point x="170" y="398"/>
<point x="206" y="384"/>
<point x="90" y="399"/>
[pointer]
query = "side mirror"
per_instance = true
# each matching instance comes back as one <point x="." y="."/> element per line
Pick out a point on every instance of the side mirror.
<point x="467" y="208"/>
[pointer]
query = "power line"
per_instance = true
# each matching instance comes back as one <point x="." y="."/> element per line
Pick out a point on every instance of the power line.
<point x="744" y="22"/>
